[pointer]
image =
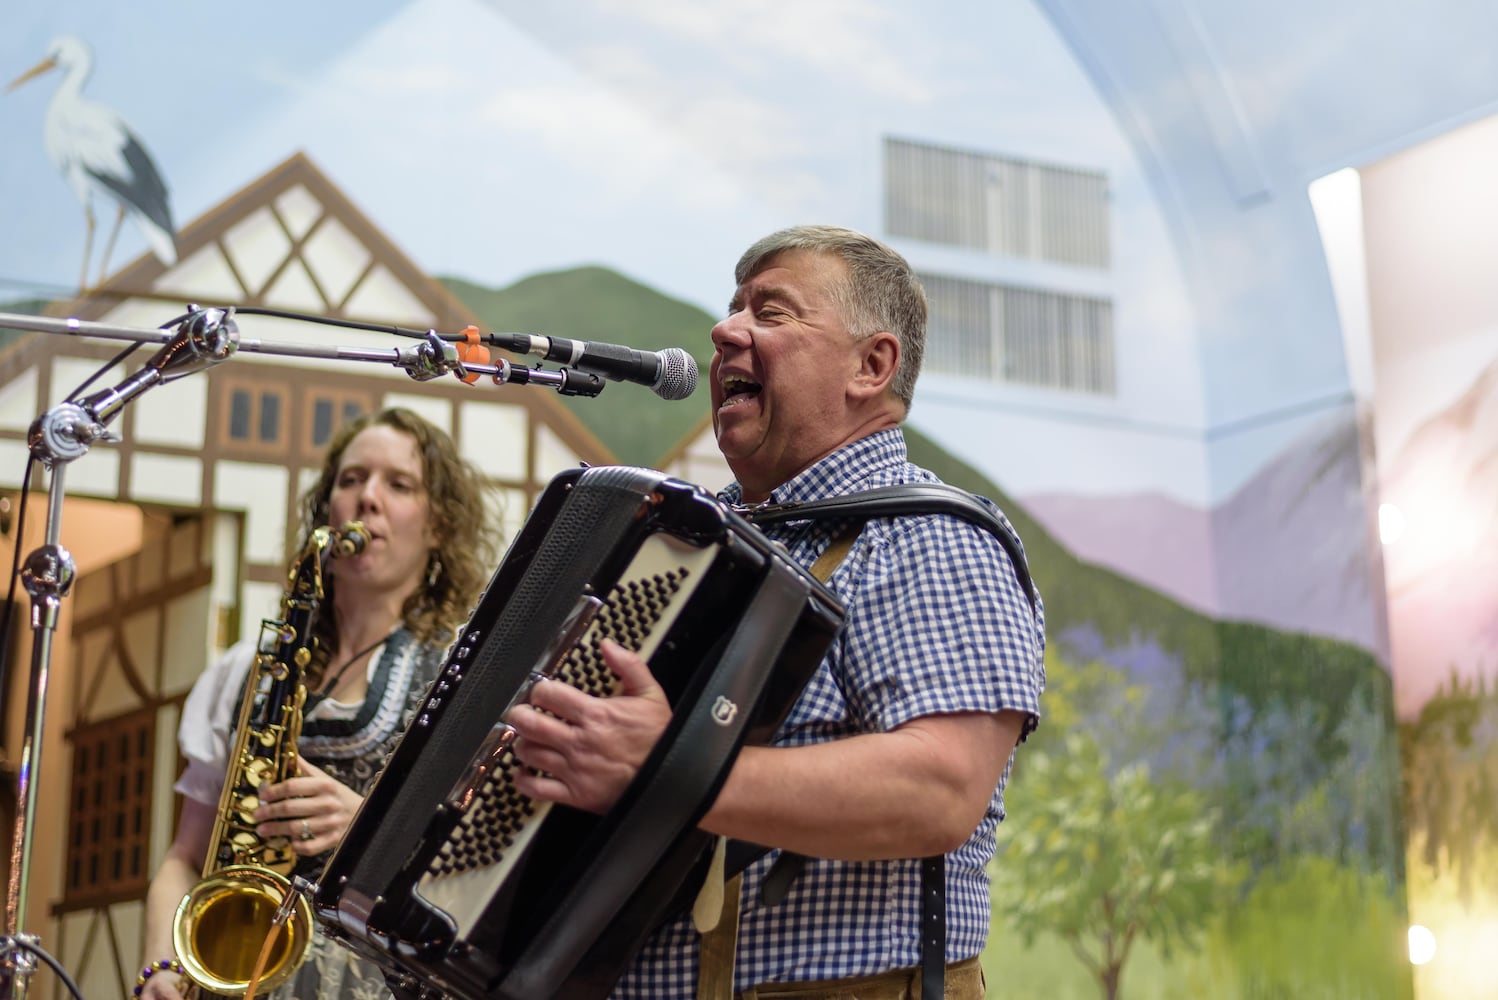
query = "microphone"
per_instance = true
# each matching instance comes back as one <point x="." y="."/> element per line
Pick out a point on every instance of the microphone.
<point x="670" y="373"/>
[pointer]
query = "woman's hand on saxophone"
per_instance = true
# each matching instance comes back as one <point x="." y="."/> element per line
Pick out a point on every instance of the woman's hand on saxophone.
<point x="313" y="809"/>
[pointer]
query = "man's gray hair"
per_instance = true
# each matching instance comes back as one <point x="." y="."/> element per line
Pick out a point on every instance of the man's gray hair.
<point x="881" y="293"/>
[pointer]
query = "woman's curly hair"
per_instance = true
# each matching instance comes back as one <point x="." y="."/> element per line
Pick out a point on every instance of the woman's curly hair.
<point x="457" y="495"/>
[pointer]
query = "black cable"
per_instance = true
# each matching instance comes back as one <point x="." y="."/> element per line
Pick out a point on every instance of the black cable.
<point x="102" y="369"/>
<point x="346" y="323"/>
<point x="20" y="522"/>
<point x="118" y="358"/>
<point x="20" y="943"/>
<point x="9" y="942"/>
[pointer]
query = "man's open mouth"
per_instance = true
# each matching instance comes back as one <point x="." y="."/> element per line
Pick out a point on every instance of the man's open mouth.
<point x="737" y="389"/>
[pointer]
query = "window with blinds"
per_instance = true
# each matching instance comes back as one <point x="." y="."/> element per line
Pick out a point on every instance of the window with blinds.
<point x="1027" y="336"/>
<point x="1001" y="206"/>
<point x="109" y="819"/>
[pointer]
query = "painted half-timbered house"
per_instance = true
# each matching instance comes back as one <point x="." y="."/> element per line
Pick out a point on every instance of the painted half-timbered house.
<point x="180" y="527"/>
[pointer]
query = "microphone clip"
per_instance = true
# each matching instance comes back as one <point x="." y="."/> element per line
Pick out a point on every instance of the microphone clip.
<point x="432" y="358"/>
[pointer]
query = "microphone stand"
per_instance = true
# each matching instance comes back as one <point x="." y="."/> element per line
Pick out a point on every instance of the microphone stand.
<point x="66" y="431"/>
<point x="59" y="436"/>
<point x="431" y="357"/>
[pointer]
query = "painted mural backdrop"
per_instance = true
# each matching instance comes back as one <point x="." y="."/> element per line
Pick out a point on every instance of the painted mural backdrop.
<point x="1213" y="804"/>
<point x="1434" y="315"/>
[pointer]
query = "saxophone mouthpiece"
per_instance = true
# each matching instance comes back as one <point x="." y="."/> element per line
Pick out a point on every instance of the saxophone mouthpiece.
<point x="350" y="539"/>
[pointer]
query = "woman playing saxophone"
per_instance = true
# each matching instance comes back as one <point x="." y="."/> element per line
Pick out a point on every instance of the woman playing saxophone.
<point x="386" y="617"/>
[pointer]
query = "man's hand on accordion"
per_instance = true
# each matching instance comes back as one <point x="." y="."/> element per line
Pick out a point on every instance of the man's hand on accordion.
<point x="588" y="749"/>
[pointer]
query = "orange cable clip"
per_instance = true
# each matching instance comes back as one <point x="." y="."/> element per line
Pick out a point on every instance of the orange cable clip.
<point x="471" y="350"/>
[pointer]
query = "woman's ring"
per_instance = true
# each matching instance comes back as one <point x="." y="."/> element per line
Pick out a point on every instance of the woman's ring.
<point x="306" y="829"/>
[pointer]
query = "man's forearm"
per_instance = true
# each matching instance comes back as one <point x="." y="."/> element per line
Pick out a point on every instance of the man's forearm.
<point x="912" y="792"/>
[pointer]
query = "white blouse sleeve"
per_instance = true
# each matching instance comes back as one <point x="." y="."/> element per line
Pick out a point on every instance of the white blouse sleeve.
<point x="208" y="719"/>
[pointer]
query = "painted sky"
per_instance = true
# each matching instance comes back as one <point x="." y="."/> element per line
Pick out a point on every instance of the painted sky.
<point x="496" y="140"/>
<point x="658" y="138"/>
<point x="493" y="139"/>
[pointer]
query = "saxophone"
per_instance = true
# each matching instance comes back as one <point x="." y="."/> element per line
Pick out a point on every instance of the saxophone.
<point x="221" y="924"/>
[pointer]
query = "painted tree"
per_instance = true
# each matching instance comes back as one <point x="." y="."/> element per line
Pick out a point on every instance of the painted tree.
<point x="1104" y="861"/>
<point x="1450" y="757"/>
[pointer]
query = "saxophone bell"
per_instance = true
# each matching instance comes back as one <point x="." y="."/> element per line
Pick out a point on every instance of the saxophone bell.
<point x="222" y="923"/>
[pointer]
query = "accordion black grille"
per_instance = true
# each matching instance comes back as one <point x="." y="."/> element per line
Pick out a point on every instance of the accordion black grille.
<point x="492" y="824"/>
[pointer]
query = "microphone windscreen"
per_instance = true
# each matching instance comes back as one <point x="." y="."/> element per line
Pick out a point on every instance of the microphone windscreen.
<point x="678" y="377"/>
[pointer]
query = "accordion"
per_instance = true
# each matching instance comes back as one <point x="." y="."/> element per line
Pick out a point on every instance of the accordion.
<point x="454" y="882"/>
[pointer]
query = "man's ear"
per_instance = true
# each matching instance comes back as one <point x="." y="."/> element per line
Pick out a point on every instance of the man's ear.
<point x="878" y="357"/>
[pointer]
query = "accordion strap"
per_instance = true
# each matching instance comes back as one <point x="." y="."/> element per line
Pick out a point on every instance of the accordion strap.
<point x="908" y="498"/>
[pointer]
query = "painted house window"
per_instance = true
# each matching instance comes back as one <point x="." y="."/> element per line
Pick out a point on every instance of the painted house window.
<point x="998" y="205"/>
<point x="1022" y="335"/>
<point x="326" y="411"/>
<point x="254" y="416"/>
<point x="109" y="817"/>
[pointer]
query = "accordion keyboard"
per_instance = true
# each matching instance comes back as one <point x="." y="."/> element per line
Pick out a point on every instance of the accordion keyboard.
<point x="499" y="822"/>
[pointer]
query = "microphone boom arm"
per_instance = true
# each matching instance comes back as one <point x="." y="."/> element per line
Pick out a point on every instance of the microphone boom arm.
<point x="431" y="357"/>
<point x="434" y="357"/>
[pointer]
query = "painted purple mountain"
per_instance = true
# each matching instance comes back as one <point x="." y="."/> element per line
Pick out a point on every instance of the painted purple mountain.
<point x="1150" y="538"/>
<point x="1442" y="573"/>
<point x="1290" y="549"/>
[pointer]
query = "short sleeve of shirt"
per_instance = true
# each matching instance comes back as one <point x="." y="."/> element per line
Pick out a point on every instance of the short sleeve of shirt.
<point x="209" y="716"/>
<point x="941" y="626"/>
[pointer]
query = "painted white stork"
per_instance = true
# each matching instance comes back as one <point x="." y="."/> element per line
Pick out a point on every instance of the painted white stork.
<point x="98" y="154"/>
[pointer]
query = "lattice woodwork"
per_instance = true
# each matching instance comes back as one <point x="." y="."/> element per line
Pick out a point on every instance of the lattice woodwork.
<point x="109" y="823"/>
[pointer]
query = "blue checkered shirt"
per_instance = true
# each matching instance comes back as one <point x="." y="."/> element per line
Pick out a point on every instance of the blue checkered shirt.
<point x="937" y="623"/>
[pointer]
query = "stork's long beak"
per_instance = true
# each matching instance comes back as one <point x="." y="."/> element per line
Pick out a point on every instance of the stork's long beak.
<point x="37" y="70"/>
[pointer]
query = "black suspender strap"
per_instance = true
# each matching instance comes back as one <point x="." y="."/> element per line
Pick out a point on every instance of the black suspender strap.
<point x="933" y="927"/>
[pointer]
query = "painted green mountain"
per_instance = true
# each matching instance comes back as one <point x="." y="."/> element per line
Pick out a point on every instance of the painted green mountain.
<point x="1120" y="611"/>
<point x="595" y="303"/>
<point x="1262" y="661"/>
<point x="1265" y="718"/>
